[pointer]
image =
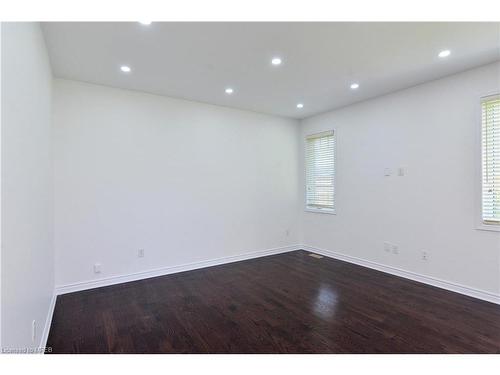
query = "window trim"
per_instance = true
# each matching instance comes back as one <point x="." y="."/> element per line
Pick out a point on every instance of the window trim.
<point x="480" y="224"/>
<point x="319" y="210"/>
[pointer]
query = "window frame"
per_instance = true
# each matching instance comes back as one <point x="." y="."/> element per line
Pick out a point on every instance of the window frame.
<point x="480" y="224"/>
<point x="329" y="211"/>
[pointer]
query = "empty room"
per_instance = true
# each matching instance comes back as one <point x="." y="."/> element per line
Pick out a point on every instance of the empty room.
<point x="250" y="187"/>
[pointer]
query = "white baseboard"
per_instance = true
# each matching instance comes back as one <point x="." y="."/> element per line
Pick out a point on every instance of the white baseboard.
<point x="48" y="322"/>
<point x="448" y="285"/>
<point x="84" y="285"/>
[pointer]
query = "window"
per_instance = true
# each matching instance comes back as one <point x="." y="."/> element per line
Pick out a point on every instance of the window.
<point x="320" y="172"/>
<point x="490" y="160"/>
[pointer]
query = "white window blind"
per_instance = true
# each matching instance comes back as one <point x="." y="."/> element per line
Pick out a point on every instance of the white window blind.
<point x="320" y="171"/>
<point x="490" y="147"/>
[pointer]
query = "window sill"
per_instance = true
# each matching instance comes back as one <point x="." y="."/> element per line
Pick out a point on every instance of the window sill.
<point x="320" y="211"/>
<point x="488" y="227"/>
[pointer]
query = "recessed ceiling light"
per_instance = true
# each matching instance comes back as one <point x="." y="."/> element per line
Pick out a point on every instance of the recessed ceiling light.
<point x="300" y="105"/>
<point x="276" y="61"/>
<point x="125" y="69"/>
<point x="354" y="86"/>
<point x="229" y="90"/>
<point x="444" y="53"/>
<point x="147" y="23"/>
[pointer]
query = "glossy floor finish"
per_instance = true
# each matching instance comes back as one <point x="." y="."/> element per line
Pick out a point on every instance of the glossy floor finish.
<point x="286" y="303"/>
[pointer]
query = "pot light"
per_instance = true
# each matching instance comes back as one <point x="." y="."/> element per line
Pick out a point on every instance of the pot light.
<point x="354" y="86"/>
<point x="125" y="69"/>
<point x="444" y="53"/>
<point x="276" y="61"/>
<point x="229" y="91"/>
<point x="300" y="106"/>
<point x="146" y="23"/>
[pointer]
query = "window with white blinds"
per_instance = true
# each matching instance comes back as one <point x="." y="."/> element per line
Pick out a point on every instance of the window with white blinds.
<point x="490" y="147"/>
<point x="320" y="171"/>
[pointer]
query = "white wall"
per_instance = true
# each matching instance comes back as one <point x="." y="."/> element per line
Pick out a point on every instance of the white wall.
<point x="432" y="130"/>
<point x="26" y="189"/>
<point x="185" y="181"/>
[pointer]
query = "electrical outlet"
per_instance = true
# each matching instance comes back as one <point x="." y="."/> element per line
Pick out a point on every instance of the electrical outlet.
<point x="97" y="268"/>
<point x="387" y="247"/>
<point x="287" y="232"/>
<point x="395" y="249"/>
<point x="401" y="171"/>
<point x="33" y="331"/>
<point x="425" y="256"/>
<point x="140" y="253"/>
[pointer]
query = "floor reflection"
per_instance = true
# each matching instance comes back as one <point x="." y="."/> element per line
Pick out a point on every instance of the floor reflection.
<point x="325" y="302"/>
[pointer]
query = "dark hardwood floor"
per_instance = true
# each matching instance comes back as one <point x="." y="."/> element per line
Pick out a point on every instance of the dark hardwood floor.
<point x="287" y="303"/>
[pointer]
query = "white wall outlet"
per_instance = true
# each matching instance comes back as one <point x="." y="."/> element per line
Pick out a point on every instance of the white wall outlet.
<point x="140" y="253"/>
<point x="395" y="249"/>
<point x="97" y="268"/>
<point x="387" y="172"/>
<point x="33" y="331"/>
<point x="387" y="247"/>
<point x="401" y="171"/>
<point x="425" y="256"/>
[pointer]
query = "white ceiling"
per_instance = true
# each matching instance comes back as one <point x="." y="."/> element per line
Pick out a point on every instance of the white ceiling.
<point x="197" y="61"/>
